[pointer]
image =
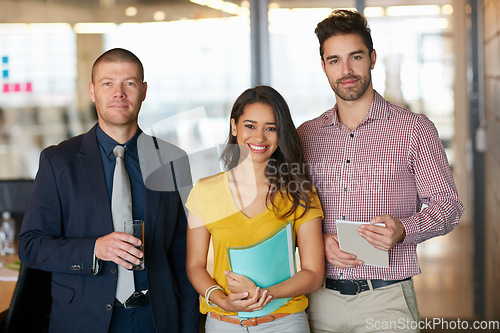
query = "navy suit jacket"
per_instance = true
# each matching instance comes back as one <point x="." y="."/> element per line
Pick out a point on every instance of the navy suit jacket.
<point x="69" y="209"/>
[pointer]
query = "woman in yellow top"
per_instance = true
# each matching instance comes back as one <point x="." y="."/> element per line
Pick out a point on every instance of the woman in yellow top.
<point x="264" y="188"/>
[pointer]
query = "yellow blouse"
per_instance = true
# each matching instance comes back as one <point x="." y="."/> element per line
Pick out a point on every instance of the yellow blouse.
<point x="211" y="200"/>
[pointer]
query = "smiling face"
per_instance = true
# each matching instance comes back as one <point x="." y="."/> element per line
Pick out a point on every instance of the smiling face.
<point x="256" y="131"/>
<point x="348" y="66"/>
<point x="118" y="92"/>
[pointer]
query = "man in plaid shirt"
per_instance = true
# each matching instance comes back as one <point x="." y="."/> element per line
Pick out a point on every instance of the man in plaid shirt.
<point x="372" y="161"/>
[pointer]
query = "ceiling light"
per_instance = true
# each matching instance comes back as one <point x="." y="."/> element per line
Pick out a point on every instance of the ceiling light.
<point x="273" y="5"/>
<point x="51" y="27"/>
<point x="374" y="11"/>
<point x="225" y="6"/>
<point x="447" y="9"/>
<point x="131" y="11"/>
<point x="14" y="27"/>
<point x="94" y="28"/>
<point x="423" y="10"/>
<point x="159" y="15"/>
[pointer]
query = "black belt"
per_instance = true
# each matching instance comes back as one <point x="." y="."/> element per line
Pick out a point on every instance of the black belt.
<point x="354" y="287"/>
<point x="137" y="299"/>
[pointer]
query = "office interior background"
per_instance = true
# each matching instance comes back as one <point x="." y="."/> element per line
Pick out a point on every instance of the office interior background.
<point x="440" y="58"/>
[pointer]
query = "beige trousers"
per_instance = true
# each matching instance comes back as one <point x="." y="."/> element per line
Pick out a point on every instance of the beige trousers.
<point x="388" y="309"/>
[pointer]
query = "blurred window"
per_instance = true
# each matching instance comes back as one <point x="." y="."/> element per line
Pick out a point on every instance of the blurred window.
<point x="196" y="68"/>
<point x="38" y="87"/>
<point x="414" y="58"/>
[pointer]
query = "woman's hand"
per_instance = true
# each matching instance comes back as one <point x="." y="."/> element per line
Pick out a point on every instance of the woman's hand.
<point x="239" y="283"/>
<point x="198" y="239"/>
<point x="245" y="295"/>
<point x="239" y="301"/>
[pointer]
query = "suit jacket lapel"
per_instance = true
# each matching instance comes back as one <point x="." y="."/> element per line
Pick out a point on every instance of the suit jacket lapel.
<point x="153" y="211"/>
<point x="90" y="162"/>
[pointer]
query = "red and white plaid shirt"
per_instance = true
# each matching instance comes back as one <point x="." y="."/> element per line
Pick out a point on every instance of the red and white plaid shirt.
<point x="392" y="163"/>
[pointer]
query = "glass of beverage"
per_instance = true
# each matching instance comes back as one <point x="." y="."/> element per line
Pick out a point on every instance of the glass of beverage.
<point x="136" y="229"/>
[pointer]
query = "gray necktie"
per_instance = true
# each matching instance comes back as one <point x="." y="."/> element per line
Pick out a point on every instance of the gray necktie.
<point x="121" y="209"/>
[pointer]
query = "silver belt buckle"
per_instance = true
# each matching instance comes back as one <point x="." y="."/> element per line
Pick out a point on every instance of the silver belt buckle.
<point x="134" y="294"/>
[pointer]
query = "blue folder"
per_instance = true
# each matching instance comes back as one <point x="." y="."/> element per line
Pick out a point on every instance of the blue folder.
<point x="267" y="262"/>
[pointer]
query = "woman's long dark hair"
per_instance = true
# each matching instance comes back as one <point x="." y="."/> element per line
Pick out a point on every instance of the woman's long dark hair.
<point x="285" y="172"/>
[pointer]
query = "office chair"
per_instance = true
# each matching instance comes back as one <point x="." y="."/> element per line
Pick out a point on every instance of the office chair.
<point x="30" y="306"/>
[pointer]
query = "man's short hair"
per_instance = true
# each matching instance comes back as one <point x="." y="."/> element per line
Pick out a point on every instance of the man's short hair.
<point x="119" y="55"/>
<point x="342" y="22"/>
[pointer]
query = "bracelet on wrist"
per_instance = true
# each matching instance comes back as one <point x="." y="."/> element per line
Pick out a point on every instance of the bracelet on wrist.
<point x="209" y="291"/>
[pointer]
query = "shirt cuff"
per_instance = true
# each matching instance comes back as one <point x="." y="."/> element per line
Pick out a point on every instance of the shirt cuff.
<point x="96" y="265"/>
<point x="411" y="231"/>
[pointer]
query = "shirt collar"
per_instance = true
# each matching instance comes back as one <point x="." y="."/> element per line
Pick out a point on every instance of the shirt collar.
<point x="378" y="110"/>
<point x="108" y="144"/>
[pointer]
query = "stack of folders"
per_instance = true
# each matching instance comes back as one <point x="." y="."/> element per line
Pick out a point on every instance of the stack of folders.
<point x="267" y="262"/>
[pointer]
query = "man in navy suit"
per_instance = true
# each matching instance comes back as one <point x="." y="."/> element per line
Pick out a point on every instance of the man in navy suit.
<point x="68" y="226"/>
